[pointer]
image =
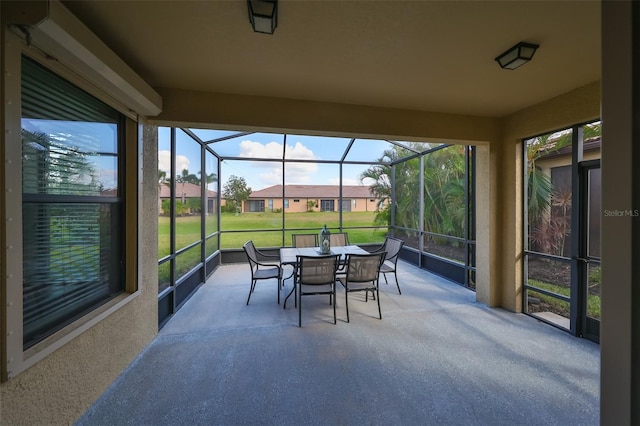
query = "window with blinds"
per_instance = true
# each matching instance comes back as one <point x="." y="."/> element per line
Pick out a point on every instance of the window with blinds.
<point x="72" y="202"/>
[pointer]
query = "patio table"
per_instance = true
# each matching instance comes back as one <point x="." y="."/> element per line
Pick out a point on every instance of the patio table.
<point x="288" y="256"/>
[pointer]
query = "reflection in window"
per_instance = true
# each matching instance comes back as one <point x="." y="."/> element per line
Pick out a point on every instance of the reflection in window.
<point x="71" y="203"/>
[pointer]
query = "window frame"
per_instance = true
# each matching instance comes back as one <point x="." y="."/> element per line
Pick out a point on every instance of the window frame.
<point x="14" y="359"/>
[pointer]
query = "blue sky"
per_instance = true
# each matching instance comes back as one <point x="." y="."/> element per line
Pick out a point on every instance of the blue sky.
<point x="261" y="174"/>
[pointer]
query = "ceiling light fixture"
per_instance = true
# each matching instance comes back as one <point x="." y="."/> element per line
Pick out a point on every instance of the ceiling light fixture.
<point x="263" y="15"/>
<point x="518" y="55"/>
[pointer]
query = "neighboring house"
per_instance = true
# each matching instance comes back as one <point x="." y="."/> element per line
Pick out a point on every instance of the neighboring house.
<point x="187" y="191"/>
<point x="302" y="198"/>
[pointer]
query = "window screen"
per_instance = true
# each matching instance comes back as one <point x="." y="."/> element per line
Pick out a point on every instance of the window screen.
<point x="71" y="202"/>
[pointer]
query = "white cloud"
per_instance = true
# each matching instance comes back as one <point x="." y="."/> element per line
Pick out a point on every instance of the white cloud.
<point x="164" y="162"/>
<point x="272" y="176"/>
<point x="257" y="150"/>
<point x="368" y="181"/>
<point x="301" y="173"/>
<point x="297" y="173"/>
<point x="299" y="152"/>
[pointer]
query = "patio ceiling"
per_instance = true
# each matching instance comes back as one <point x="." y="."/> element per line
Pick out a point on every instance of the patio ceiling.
<point x="416" y="55"/>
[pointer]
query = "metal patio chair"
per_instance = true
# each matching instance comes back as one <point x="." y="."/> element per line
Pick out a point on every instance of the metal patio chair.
<point x="316" y="275"/>
<point x="339" y="239"/>
<point x="392" y="247"/>
<point x="363" y="274"/>
<point x="304" y="240"/>
<point x="262" y="269"/>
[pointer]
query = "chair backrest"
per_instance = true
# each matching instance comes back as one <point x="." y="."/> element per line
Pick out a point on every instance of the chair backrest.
<point x="252" y="255"/>
<point x="364" y="267"/>
<point x="339" y="239"/>
<point x="304" y="240"/>
<point x="317" y="270"/>
<point x="392" y="246"/>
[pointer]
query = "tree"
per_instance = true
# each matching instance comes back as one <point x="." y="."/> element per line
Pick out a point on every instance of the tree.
<point x="208" y="179"/>
<point x="186" y="177"/>
<point x="236" y="190"/>
<point x="380" y="174"/>
<point x="444" y="189"/>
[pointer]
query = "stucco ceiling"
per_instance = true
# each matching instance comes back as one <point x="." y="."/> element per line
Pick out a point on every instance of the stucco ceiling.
<point x="420" y="55"/>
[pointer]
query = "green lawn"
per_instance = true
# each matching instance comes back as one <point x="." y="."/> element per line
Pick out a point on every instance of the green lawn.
<point x="268" y="228"/>
<point x="560" y="307"/>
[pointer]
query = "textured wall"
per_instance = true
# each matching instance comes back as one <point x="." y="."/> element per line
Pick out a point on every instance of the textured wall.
<point x="192" y="108"/>
<point x="619" y="382"/>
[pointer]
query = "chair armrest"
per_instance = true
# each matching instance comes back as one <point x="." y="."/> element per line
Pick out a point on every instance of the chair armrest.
<point x="268" y="256"/>
<point x="379" y="249"/>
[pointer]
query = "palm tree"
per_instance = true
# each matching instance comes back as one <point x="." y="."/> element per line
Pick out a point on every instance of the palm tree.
<point x="547" y="231"/>
<point x="444" y="187"/>
<point x="380" y="175"/>
<point x="209" y="179"/>
<point x="444" y="192"/>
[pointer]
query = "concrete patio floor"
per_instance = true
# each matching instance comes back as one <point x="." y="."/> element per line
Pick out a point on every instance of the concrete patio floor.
<point x="436" y="357"/>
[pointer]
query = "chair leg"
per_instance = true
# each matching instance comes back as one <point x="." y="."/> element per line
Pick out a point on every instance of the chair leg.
<point x="279" y="288"/>
<point x="379" y="310"/>
<point x="395" y="274"/>
<point x="253" y="285"/>
<point x="346" y="301"/>
<point x="299" y="295"/>
<point x="334" y="304"/>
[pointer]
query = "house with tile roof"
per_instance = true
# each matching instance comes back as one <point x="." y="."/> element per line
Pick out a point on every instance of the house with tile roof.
<point x="186" y="191"/>
<point x="302" y="198"/>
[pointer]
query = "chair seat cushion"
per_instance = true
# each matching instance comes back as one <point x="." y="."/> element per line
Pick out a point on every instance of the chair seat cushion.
<point x="387" y="267"/>
<point x="353" y="286"/>
<point x="266" y="273"/>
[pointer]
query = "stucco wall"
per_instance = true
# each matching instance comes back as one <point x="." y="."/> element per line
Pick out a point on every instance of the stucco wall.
<point x="361" y="205"/>
<point x="620" y="388"/>
<point x="58" y="389"/>
<point x="257" y="113"/>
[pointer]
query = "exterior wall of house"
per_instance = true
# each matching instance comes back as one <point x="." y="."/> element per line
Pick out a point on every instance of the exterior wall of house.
<point x="546" y="164"/>
<point x="620" y="244"/>
<point x="74" y="372"/>
<point x="300" y="205"/>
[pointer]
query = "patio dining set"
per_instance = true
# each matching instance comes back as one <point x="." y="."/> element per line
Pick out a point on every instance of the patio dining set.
<point x="317" y="268"/>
